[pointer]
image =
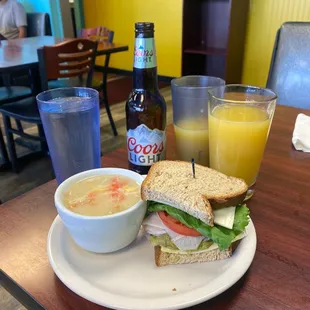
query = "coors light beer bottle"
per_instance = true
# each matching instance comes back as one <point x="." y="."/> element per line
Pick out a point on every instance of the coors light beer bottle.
<point x="145" y="108"/>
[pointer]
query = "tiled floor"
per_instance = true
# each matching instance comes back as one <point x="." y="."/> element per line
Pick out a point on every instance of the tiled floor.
<point x="8" y="302"/>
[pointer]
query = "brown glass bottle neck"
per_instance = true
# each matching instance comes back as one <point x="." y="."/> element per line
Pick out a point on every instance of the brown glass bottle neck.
<point x="145" y="69"/>
<point x="145" y="79"/>
<point x="145" y="35"/>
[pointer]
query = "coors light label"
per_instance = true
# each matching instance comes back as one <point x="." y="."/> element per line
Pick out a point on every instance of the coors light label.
<point x="144" y="55"/>
<point x="145" y="146"/>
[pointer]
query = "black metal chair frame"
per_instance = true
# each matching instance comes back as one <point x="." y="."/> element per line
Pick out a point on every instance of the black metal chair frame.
<point x="10" y="131"/>
<point x="3" y="150"/>
<point x="8" y="82"/>
<point x="103" y="87"/>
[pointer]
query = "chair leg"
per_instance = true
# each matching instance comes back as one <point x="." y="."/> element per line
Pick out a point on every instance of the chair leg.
<point x="35" y="81"/>
<point x="19" y="125"/>
<point x="10" y="142"/>
<point x="3" y="150"/>
<point x="7" y="80"/>
<point x="106" y="104"/>
<point x="43" y="144"/>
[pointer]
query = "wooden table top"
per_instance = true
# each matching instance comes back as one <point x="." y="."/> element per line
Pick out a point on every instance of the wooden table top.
<point x="279" y="277"/>
<point x="22" y="53"/>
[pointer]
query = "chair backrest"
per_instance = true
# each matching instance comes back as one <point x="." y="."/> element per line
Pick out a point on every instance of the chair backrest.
<point x="98" y="33"/>
<point x="88" y="33"/>
<point x="39" y="24"/>
<point x="71" y="58"/>
<point x="289" y="73"/>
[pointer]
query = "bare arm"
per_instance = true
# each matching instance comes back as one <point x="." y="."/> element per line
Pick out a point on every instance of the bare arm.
<point x="22" y="32"/>
<point x="20" y="19"/>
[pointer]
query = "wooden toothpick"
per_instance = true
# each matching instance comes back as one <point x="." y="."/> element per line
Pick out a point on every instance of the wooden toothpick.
<point x="193" y="167"/>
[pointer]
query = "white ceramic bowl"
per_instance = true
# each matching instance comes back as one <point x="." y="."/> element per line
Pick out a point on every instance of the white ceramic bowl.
<point x="101" y="234"/>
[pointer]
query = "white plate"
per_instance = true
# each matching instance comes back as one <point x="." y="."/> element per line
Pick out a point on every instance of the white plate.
<point x="129" y="279"/>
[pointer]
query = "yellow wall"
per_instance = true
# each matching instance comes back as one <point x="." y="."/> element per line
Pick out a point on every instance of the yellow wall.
<point x="120" y="16"/>
<point x="265" y="17"/>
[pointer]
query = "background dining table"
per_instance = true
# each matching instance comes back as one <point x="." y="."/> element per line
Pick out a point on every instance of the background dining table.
<point x="279" y="277"/>
<point x="20" y="54"/>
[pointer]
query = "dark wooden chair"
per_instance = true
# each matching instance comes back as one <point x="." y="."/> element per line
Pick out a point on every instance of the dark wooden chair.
<point x="90" y="33"/>
<point x="102" y="34"/>
<point x="68" y="59"/>
<point x="289" y="73"/>
<point x="38" y="24"/>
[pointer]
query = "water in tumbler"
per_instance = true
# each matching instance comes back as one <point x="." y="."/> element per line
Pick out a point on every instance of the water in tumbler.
<point x="72" y="130"/>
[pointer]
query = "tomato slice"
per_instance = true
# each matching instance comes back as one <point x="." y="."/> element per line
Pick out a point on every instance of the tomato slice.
<point x="177" y="226"/>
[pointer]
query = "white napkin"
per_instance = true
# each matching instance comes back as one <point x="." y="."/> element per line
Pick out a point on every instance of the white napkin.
<point x="301" y="134"/>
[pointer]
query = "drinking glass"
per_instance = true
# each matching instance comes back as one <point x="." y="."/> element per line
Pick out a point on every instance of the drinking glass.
<point x="190" y="116"/>
<point x="240" y="117"/>
<point x="71" y="122"/>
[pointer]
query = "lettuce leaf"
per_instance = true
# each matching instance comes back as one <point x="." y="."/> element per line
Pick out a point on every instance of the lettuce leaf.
<point x="222" y="236"/>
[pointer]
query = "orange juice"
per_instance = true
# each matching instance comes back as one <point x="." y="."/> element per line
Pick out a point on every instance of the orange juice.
<point x="192" y="140"/>
<point x="238" y="134"/>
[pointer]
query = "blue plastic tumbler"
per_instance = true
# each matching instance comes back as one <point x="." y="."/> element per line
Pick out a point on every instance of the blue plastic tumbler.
<point x="71" y="122"/>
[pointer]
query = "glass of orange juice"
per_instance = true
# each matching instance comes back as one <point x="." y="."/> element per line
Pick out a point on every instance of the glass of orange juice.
<point x="240" y="117"/>
<point x="190" y="116"/>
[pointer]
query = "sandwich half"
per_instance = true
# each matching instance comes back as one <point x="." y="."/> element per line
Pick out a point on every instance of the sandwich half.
<point x="189" y="219"/>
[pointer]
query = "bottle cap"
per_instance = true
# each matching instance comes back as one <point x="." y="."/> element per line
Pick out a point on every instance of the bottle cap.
<point x="144" y="27"/>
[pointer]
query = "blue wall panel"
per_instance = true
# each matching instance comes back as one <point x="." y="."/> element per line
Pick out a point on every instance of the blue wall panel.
<point x="49" y="6"/>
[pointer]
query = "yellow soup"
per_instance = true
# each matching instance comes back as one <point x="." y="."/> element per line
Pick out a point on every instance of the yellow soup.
<point x="102" y="195"/>
<point x="237" y="136"/>
<point x="192" y="140"/>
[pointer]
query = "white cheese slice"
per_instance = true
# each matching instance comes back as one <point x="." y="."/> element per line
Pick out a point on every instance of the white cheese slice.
<point x="212" y="247"/>
<point x="225" y="217"/>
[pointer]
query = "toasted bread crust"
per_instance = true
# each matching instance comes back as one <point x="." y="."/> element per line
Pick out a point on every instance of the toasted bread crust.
<point x="193" y="203"/>
<point x="210" y="189"/>
<point x="165" y="259"/>
<point x="223" y="203"/>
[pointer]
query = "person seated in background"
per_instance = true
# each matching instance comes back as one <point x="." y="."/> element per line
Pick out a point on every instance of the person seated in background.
<point x="13" y="20"/>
